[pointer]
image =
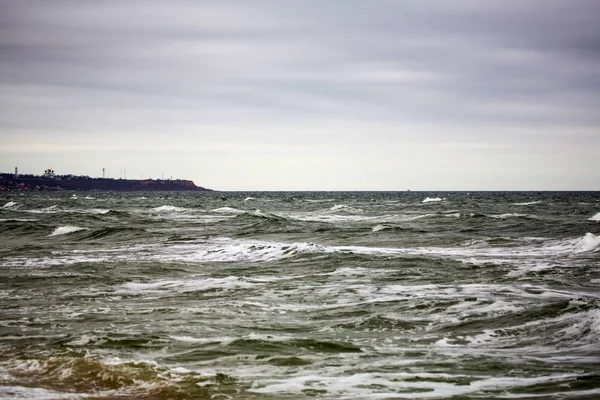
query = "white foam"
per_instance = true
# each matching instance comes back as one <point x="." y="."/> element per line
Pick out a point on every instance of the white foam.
<point x="190" y="339"/>
<point x="345" y="208"/>
<point x="380" y="227"/>
<point x="99" y="211"/>
<point x="63" y="230"/>
<point x="47" y="210"/>
<point x="528" y="203"/>
<point x="227" y="210"/>
<point x="227" y="250"/>
<point x="383" y="385"/>
<point x="595" y="217"/>
<point x="335" y="218"/>
<point x="82" y="341"/>
<point x="510" y="215"/>
<point x="432" y="199"/>
<point x="588" y="243"/>
<point x="182" y="286"/>
<point x="249" y="198"/>
<point x="29" y="393"/>
<point x="9" y="204"/>
<point x="167" y="209"/>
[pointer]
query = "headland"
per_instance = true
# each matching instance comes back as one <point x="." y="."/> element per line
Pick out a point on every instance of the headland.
<point x="50" y="181"/>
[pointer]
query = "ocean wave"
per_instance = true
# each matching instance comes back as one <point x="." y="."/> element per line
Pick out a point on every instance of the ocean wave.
<point x="595" y="217"/>
<point x="511" y="215"/>
<point x="264" y="214"/>
<point x="345" y="208"/>
<point x="234" y="251"/>
<point x="64" y="230"/>
<point x="183" y="286"/>
<point x="399" y="385"/>
<point x="87" y="376"/>
<point x="115" y="232"/>
<point x="528" y="203"/>
<point x="381" y="227"/>
<point x="168" y="209"/>
<point x="98" y="211"/>
<point x="227" y="210"/>
<point x="328" y="217"/>
<point x="47" y="210"/>
<point x="432" y="199"/>
<point x="9" y="204"/>
<point x="588" y="243"/>
<point x="17" y="219"/>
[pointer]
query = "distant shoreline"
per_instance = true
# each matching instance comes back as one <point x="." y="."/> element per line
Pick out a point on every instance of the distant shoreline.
<point x="10" y="182"/>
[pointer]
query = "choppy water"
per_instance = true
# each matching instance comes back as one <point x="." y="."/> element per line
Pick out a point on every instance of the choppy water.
<point x="299" y="295"/>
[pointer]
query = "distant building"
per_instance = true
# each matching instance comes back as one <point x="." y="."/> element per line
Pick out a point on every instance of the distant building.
<point x="49" y="173"/>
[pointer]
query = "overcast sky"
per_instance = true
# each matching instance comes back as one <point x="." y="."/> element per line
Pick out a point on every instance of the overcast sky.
<point x="305" y="95"/>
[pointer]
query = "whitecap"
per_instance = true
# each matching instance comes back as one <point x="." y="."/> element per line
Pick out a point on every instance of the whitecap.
<point x="528" y="203"/>
<point x="227" y="210"/>
<point x="182" y="286"/>
<point x="63" y="230"/>
<point x="22" y="392"/>
<point x="432" y="199"/>
<point x="588" y="243"/>
<point x="9" y="204"/>
<point x="346" y="208"/>
<point x="595" y="217"/>
<point x="232" y="251"/>
<point x="511" y="215"/>
<point x="47" y="210"/>
<point x="166" y="209"/>
<point x="249" y="198"/>
<point x="99" y="211"/>
<point x="380" y="227"/>
<point x="190" y="339"/>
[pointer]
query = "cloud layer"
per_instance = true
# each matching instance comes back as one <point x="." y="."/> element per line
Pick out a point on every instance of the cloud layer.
<point x="310" y="95"/>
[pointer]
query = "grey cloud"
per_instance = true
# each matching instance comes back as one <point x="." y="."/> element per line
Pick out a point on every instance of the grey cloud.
<point x="453" y="68"/>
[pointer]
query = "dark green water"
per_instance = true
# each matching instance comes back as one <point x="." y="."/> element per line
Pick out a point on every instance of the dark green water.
<point x="299" y="295"/>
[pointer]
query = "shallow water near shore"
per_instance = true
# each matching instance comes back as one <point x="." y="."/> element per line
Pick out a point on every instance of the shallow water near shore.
<point x="291" y="295"/>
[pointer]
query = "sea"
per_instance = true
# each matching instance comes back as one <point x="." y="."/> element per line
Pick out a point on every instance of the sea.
<point x="300" y="295"/>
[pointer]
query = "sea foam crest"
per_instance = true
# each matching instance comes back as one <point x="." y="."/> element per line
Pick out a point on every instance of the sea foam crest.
<point x="344" y="207"/>
<point x="166" y="209"/>
<point x="595" y="217"/>
<point x="63" y="230"/>
<point x="233" y="251"/>
<point x="9" y="204"/>
<point x="432" y="199"/>
<point x="588" y="243"/>
<point x="227" y="210"/>
<point x="380" y="227"/>
<point x="528" y="203"/>
<point x="182" y="286"/>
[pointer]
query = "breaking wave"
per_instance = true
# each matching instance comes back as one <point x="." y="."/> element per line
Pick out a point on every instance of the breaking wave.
<point x="345" y="208"/>
<point x="64" y="230"/>
<point x="168" y="209"/>
<point x="528" y="203"/>
<point x="432" y="199"/>
<point x="9" y="204"/>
